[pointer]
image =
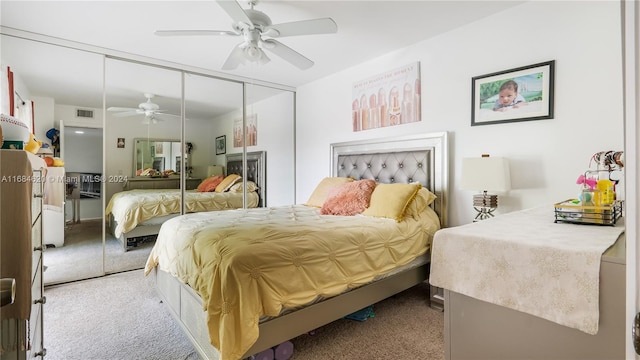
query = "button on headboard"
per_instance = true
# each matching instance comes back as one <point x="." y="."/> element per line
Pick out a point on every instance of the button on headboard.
<point x="417" y="158"/>
<point x="393" y="167"/>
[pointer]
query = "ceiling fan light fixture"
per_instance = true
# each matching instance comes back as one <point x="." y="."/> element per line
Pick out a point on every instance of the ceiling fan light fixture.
<point x="253" y="53"/>
<point x="252" y="25"/>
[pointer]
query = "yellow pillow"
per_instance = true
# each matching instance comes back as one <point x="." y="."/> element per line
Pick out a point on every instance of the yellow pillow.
<point x="228" y="182"/>
<point x="319" y="195"/>
<point x="391" y="200"/>
<point x="423" y="198"/>
<point x="239" y="187"/>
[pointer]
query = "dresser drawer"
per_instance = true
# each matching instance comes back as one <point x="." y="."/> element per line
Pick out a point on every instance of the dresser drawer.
<point x="36" y="233"/>
<point x="36" y="282"/>
<point x="36" y="245"/>
<point x="35" y="328"/>
<point x="35" y="323"/>
<point x="37" y="193"/>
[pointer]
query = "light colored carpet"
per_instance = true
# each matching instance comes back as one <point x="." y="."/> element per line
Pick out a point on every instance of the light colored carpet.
<point x="404" y="328"/>
<point x="120" y="316"/>
<point x="81" y="255"/>
<point x="111" y="318"/>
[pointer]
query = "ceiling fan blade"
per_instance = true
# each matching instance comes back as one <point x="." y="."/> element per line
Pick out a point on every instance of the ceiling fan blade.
<point x="288" y="54"/>
<point x="194" y="33"/>
<point x="164" y="116"/>
<point x="235" y="58"/>
<point x="114" y="108"/>
<point x="128" y="113"/>
<point x="304" y="27"/>
<point x="235" y="11"/>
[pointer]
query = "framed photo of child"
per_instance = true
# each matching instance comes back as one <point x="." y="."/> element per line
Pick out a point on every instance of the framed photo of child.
<point x="520" y="94"/>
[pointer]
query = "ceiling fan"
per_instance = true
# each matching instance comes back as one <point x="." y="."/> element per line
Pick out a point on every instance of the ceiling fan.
<point x="150" y="110"/>
<point x="259" y="33"/>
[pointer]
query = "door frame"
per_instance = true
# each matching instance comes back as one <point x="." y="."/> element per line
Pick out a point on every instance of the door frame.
<point x="631" y="79"/>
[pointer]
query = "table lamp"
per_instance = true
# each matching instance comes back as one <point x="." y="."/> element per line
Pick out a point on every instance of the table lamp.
<point x="485" y="174"/>
<point x="213" y="170"/>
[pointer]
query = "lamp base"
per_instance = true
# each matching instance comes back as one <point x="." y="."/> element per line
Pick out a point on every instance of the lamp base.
<point x="485" y="204"/>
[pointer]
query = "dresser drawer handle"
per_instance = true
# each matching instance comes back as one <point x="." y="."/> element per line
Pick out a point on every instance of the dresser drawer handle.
<point x="42" y="300"/>
<point x="38" y="195"/>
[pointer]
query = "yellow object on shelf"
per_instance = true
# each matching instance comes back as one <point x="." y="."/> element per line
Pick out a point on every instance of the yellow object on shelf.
<point x="32" y="145"/>
<point x="607" y="192"/>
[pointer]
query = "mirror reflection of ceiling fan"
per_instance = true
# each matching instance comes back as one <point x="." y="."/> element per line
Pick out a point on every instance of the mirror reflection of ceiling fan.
<point x="259" y="33"/>
<point x="151" y="111"/>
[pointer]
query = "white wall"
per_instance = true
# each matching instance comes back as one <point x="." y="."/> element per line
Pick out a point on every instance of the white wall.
<point x="44" y="115"/>
<point x="546" y="156"/>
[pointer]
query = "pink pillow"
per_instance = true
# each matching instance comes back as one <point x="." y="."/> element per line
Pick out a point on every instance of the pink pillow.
<point x="209" y="184"/>
<point x="349" y="198"/>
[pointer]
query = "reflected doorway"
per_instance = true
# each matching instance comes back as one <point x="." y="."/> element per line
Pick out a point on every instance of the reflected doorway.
<point x="76" y="253"/>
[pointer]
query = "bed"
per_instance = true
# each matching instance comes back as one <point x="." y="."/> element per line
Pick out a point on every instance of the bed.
<point x="255" y="303"/>
<point x="138" y="213"/>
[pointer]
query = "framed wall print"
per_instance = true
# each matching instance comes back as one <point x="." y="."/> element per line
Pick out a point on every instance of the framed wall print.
<point x="520" y="94"/>
<point x="221" y="145"/>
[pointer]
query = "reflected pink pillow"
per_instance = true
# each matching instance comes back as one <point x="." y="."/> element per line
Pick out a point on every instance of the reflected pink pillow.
<point x="349" y="198"/>
<point x="209" y="184"/>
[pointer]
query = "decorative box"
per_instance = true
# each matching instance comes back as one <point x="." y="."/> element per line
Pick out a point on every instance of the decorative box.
<point x="570" y="211"/>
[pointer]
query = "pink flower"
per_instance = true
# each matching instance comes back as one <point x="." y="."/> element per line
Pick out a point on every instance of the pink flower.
<point x="591" y="183"/>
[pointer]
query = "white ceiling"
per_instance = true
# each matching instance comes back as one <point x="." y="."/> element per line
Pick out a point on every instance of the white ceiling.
<point x="366" y="29"/>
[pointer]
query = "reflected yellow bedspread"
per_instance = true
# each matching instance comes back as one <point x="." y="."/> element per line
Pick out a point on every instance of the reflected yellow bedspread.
<point x="130" y="208"/>
<point x="250" y="263"/>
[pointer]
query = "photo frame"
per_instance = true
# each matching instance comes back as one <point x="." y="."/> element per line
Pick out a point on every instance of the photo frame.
<point x="221" y="145"/>
<point x="519" y="94"/>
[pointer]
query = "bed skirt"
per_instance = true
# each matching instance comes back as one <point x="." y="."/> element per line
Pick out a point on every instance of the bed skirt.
<point x="187" y="308"/>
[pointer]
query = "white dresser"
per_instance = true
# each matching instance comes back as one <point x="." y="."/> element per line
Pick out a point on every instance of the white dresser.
<point x="53" y="207"/>
<point x="21" y="192"/>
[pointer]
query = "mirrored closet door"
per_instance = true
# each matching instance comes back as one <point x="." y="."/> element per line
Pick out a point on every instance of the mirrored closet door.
<point x="125" y="125"/>
<point x="73" y="240"/>
<point x="269" y="129"/>
<point x="208" y="104"/>
<point x="143" y="147"/>
<point x="244" y="129"/>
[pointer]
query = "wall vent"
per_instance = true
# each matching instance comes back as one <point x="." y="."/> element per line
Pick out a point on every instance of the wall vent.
<point x="82" y="113"/>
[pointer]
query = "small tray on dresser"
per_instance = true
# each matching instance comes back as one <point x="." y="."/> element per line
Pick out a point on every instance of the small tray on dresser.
<point x="569" y="212"/>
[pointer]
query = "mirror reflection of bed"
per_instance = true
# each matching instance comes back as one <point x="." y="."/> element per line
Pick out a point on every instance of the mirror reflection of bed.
<point x="136" y="214"/>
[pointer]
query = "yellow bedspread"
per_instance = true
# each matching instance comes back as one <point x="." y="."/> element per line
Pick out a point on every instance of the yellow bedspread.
<point x="130" y="208"/>
<point x="250" y="263"/>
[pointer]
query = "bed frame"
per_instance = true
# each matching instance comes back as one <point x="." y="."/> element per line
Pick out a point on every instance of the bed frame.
<point x="421" y="159"/>
<point x="256" y="172"/>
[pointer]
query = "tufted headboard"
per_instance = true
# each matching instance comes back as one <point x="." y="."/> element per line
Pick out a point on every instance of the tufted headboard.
<point x="256" y="170"/>
<point x="416" y="158"/>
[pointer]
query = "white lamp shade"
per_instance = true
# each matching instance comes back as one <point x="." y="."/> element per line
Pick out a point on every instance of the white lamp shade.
<point x="213" y="170"/>
<point x="485" y="173"/>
